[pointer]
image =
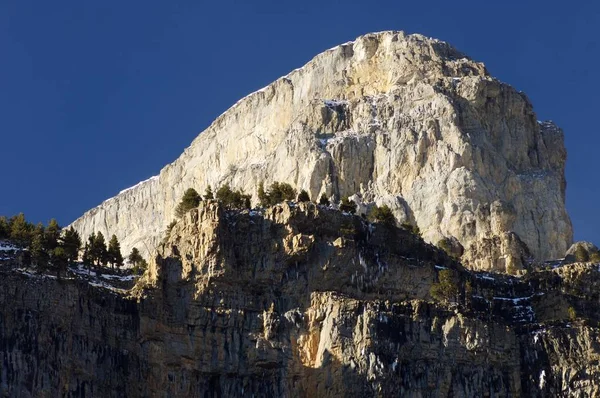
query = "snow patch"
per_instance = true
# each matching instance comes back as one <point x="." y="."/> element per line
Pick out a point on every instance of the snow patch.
<point x="138" y="184"/>
<point x="5" y="246"/>
<point x="123" y="278"/>
<point x="107" y="286"/>
<point x="485" y="276"/>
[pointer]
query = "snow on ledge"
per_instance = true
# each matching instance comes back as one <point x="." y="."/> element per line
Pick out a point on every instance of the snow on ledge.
<point x="138" y="184"/>
<point x="5" y="247"/>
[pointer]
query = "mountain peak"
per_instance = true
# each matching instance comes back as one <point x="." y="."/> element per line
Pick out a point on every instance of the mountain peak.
<point x="395" y="119"/>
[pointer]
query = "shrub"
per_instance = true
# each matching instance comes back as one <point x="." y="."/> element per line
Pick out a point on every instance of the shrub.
<point x="414" y="229"/>
<point x="347" y="205"/>
<point x="511" y="268"/>
<point x="383" y="215"/>
<point x="451" y="246"/>
<point x="303" y="196"/>
<point x="581" y="254"/>
<point x="595" y="257"/>
<point x="468" y="292"/>
<point x="572" y="313"/>
<point x="444" y="244"/>
<point x="208" y="194"/>
<point x="324" y="200"/>
<point x="140" y="268"/>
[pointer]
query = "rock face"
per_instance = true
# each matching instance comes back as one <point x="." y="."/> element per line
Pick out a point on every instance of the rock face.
<point x="395" y="119"/>
<point x="299" y="301"/>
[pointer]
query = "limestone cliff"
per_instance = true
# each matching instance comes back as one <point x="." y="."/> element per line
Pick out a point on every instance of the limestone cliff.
<point x="299" y="301"/>
<point x="398" y="119"/>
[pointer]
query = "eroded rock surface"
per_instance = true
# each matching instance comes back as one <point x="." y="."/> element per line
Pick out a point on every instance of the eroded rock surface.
<point x="395" y="119"/>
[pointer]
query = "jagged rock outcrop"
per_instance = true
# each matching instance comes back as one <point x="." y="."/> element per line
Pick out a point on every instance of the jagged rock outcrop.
<point x="299" y="301"/>
<point x="398" y="119"/>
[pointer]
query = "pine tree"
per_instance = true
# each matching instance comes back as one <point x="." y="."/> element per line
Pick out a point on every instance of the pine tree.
<point x="114" y="252"/>
<point x="324" y="200"/>
<point x="275" y="195"/>
<point x="190" y="200"/>
<point x="208" y="194"/>
<point x="88" y="251"/>
<point x="38" y="247"/>
<point x="52" y="235"/>
<point x="446" y="289"/>
<point x="71" y="243"/>
<point x="136" y="260"/>
<point x="233" y="199"/>
<point x="20" y="230"/>
<point x="287" y="191"/>
<point x="59" y="260"/>
<point x="224" y="194"/>
<point x="4" y="228"/>
<point x="134" y="257"/>
<point x="303" y="196"/>
<point x="86" y="257"/>
<point x="99" y="252"/>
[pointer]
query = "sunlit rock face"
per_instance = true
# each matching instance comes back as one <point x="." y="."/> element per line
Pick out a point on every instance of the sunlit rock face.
<point x="394" y="119"/>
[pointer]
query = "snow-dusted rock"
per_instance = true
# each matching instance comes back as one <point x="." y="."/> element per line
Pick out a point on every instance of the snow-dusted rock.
<point x="396" y="119"/>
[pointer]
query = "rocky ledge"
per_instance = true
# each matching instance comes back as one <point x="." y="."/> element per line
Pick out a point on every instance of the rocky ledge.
<point x="300" y="300"/>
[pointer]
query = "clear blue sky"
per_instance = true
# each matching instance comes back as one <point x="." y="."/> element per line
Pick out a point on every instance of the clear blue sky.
<point x="98" y="95"/>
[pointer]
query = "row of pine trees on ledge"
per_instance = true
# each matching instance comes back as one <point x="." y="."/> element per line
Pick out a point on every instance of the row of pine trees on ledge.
<point x="53" y="248"/>
<point x="278" y="192"/>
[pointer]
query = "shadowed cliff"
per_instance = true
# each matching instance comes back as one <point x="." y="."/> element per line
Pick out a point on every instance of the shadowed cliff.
<point x="299" y="300"/>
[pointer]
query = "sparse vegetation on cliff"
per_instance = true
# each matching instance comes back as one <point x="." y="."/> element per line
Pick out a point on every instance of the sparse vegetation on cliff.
<point x="136" y="260"/>
<point x="382" y="214"/>
<point x="446" y="289"/>
<point x="233" y="199"/>
<point x="414" y="229"/>
<point x="324" y="200"/>
<point x="277" y="193"/>
<point x="347" y="205"/>
<point x="303" y="196"/>
<point x="190" y="200"/>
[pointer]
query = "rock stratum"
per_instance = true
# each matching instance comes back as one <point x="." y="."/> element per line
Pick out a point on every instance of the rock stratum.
<point x="394" y="119"/>
<point x="299" y="301"/>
